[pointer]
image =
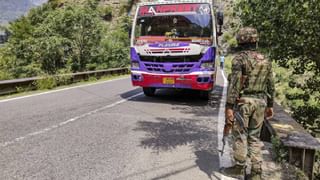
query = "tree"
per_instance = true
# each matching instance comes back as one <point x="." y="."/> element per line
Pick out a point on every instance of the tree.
<point x="82" y="30"/>
<point x="289" y="32"/>
<point x="50" y="39"/>
<point x="63" y="36"/>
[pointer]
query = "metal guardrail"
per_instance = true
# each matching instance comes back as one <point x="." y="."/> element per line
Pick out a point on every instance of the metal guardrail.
<point x="301" y="145"/>
<point x="12" y="86"/>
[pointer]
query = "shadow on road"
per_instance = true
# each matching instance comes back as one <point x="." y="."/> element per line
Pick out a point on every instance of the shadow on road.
<point x="190" y="99"/>
<point x="207" y="162"/>
<point x="165" y="134"/>
<point x="216" y="97"/>
<point x="152" y="170"/>
<point x="171" y="96"/>
<point x="130" y="93"/>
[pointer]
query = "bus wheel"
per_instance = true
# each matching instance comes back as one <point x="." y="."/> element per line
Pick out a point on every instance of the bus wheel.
<point x="205" y="95"/>
<point x="149" y="91"/>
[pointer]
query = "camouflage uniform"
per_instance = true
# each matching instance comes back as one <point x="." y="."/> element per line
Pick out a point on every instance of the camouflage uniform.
<point x="250" y="87"/>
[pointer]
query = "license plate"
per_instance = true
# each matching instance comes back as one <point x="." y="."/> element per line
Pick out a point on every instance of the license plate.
<point x="168" y="80"/>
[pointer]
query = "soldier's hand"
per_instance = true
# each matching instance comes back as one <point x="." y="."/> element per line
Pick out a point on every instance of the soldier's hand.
<point x="229" y="116"/>
<point x="226" y="130"/>
<point x="269" y="113"/>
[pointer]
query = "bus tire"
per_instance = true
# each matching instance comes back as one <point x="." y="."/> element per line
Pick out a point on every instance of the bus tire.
<point x="148" y="91"/>
<point x="205" y="95"/>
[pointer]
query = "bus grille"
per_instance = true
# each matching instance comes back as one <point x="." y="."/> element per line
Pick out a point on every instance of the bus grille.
<point x="169" y="68"/>
<point x="172" y="59"/>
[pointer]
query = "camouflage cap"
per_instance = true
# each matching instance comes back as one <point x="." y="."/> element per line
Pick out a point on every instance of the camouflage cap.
<point x="247" y="35"/>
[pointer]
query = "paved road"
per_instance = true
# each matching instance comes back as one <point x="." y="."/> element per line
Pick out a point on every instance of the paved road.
<point x="110" y="130"/>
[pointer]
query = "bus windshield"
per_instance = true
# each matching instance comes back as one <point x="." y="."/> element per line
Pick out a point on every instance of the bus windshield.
<point x="176" y="22"/>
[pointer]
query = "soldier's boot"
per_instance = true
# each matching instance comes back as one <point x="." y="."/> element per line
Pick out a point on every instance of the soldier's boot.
<point x="236" y="171"/>
<point x="255" y="176"/>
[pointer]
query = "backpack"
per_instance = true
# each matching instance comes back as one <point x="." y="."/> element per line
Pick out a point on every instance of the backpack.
<point x="255" y="72"/>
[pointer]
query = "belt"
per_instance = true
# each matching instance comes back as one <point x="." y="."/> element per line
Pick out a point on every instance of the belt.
<point x="258" y="95"/>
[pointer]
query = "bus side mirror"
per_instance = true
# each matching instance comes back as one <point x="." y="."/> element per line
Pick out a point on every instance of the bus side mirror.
<point x="220" y="18"/>
<point x="130" y="32"/>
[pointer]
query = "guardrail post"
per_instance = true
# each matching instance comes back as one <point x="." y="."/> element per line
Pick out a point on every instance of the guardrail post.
<point x="301" y="145"/>
<point x="303" y="158"/>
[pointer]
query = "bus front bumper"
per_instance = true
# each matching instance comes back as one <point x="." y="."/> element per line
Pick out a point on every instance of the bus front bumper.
<point x="196" y="80"/>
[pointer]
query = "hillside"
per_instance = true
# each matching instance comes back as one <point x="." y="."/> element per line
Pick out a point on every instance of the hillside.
<point x="65" y="36"/>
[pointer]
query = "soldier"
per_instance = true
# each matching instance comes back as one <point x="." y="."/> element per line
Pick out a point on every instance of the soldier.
<point x="251" y="90"/>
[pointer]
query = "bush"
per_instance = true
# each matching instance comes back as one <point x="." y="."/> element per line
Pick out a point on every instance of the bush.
<point x="106" y="13"/>
<point x="290" y="37"/>
<point x="63" y="80"/>
<point x="227" y="36"/>
<point x="92" y="78"/>
<point x="125" y="7"/>
<point x="51" y="40"/>
<point x="232" y="42"/>
<point x="48" y="40"/>
<point x="47" y="82"/>
<point x="279" y="151"/>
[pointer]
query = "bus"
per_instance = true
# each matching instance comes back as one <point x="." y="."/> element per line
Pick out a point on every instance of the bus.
<point x="174" y="45"/>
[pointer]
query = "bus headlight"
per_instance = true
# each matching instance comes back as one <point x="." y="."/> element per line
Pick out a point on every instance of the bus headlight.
<point x="205" y="43"/>
<point x="135" y="65"/>
<point x="207" y="65"/>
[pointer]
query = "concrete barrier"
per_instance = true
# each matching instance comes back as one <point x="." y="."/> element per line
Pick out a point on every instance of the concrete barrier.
<point x="301" y="145"/>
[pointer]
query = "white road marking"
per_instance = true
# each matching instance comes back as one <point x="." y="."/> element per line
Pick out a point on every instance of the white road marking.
<point x="225" y="160"/>
<point x="225" y="80"/>
<point x="4" y="144"/>
<point x="59" y="90"/>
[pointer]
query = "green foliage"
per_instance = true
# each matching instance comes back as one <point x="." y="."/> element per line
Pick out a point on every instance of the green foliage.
<point x="228" y="64"/>
<point x="288" y="28"/>
<point x="114" y="51"/>
<point x="47" y="82"/>
<point x="64" y="79"/>
<point x="20" y="89"/>
<point x="52" y="39"/>
<point x="92" y="78"/>
<point x="25" y="89"/>
<point x="230" y="27"/>
<point x="289" y="32"/>
<point x="106" y="12"/>
<point x="279" y="151"/>
<point x="56" y="3"/>
<point x="126" y="6"/>
<point x="232" y="42"/>
<point x="230" y="39"/>
<point x="227" y="36"/>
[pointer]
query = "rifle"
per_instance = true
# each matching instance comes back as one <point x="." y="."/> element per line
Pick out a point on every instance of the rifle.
<point x="238" y="117"/>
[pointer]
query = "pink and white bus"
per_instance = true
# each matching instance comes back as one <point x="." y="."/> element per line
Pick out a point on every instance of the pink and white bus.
<point x="174" y="45"/>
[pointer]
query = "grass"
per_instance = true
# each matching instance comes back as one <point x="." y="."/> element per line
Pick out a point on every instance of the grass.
<point x="279" y="150"/>
<point x="90" y="81"/>
<point x="227" y="63"/>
